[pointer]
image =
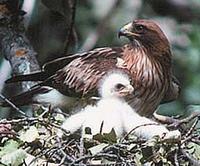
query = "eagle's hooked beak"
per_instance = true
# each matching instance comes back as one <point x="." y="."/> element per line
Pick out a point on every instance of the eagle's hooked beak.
<point x="127" y="31"/>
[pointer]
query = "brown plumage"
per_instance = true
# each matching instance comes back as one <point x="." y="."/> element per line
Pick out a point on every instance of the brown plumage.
<point x="147" y="59"/>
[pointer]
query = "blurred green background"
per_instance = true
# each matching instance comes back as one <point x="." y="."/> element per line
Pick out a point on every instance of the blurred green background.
<point x="96" y="25"/>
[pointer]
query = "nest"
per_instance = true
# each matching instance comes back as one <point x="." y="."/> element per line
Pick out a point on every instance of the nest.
<point x="33" y="141"/>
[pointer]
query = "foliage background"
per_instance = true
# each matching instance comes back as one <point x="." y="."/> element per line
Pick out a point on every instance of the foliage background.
<point x="96" y="25"/>
<point x="47" y="24"/>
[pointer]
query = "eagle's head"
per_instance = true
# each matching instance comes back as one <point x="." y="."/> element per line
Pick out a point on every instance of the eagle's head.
<point x="115" y="84"/>
<point x="145" y="33"/>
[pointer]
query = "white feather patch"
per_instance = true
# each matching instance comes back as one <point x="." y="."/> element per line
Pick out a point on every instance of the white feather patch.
<point x="114" y="113"/>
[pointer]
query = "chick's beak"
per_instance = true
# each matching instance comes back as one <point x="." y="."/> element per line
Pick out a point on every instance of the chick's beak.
<point x="127" y="91"/>
<point x="130" y="89"/>
<point x="126" y="31"/>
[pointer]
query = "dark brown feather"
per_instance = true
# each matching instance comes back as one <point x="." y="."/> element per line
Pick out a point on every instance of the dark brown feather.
<point x="37" y="76"/>
<point x="173" y="91"/>
<point x="80" y="77"/>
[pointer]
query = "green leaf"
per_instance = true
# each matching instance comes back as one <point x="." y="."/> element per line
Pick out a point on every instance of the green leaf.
<point x="60" y="118"/>
<point x="9" y="147"/>
<point x="111" y="137"/>
<point x="98" y="148"/>
<point x="146" y="153"/>
<point x="194" y="148"/>
<point x="106" y="137"/>
<point x="14" y="158"/>
<point x="30" y="135"/>
<point x="137" y="159"/>
<point x="152" y="142"/>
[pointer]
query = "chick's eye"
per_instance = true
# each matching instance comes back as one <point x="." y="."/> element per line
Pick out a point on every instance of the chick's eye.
<point x="119" y="86"/>
<point x="139" y="28"/>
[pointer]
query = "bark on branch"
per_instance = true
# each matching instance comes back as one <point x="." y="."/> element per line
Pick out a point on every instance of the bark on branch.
<point x="14" y="45"/>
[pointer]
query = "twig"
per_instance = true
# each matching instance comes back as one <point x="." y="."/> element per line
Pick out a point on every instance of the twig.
<point x="189" y="138"/>
<point x="65" y="157"/>
<point x="72" y="4"/>
<point x="52" y="153"/>
<point x="113" y="147"/>
<point x="7" y="133"/>
<point x="38" y="157"/>
<point x="192" y="160"/>
<point x="176" y="158"/>
<point x="177" y="123"/>
<point x="106" y="155"/>
<point x="13" y="105"/>
<point x="17" y="121"/>
<point x="33" y="119"/>
<point x="192" y="128"/>
<point x="196" y="140"/>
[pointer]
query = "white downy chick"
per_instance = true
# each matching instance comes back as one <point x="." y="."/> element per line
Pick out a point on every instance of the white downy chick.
<point x="112" y="111"/>
<point x="112" y="88"/>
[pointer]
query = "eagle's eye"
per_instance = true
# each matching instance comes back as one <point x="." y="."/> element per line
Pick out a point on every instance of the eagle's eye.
<point x="139" y="28"/>
<point x="119" y="87"/>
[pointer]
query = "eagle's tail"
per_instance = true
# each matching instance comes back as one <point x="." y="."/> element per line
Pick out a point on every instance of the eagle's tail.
<point x="37" y="76"/>
<point x="27" y="97"/>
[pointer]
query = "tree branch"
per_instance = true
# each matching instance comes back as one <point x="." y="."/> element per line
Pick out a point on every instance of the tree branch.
<point x="71" y="30"/>
<point x="174" y="123"/>
<point x="14" y="44"/>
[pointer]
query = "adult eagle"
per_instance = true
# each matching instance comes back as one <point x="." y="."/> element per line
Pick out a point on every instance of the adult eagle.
<point x="147" y="59"/>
